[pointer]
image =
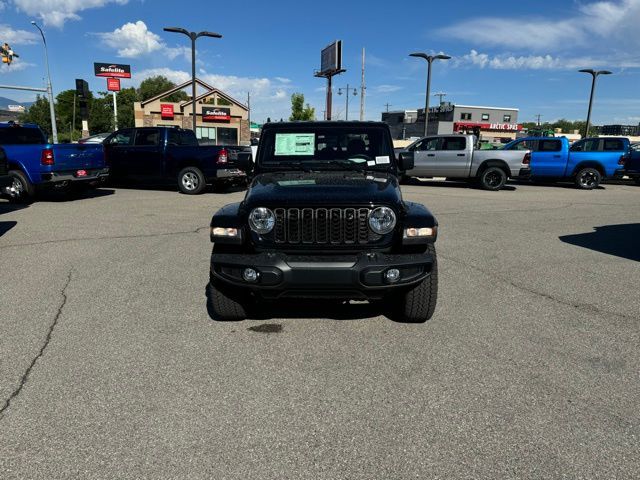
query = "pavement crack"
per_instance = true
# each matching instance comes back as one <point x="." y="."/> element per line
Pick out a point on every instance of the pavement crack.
<point x="584" y="306"/>
<point x="25" y="376"/>
<point x="106" y="237"/>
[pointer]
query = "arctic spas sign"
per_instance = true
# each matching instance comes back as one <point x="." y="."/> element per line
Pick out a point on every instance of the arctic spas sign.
<point x="112" y="70"/>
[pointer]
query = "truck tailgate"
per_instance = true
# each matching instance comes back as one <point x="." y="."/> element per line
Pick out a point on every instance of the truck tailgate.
<point x="77" y="156"/>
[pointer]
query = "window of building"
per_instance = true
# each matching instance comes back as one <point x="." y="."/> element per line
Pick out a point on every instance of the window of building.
<point x="506" y="118"/>
<point x="485" y="116"/>
<point x="224" y="102"/>
<point x="227" y="136"/>
<point x="208" y="134"/>
<point x="465" y="116"/>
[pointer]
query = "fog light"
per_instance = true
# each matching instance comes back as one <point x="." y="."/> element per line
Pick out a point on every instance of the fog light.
<point x="250" y="275"/>
<point x="392" y="275"/>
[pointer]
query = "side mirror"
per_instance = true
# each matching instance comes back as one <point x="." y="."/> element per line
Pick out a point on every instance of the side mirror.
<point x="244" y="161"/>
<point x="406" y="161"/>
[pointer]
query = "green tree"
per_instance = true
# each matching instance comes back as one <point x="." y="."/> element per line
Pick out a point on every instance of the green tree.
<point x="39" y="114"/>
<point x="126" y="99"/>
<point x="101" y="113"/>
<point x="153" y="86"/>
<point x="298" y="109"/>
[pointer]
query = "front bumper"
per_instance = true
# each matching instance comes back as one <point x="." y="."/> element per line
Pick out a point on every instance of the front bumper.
<point x="357" y="276"/>
<point x="90" y="175"/>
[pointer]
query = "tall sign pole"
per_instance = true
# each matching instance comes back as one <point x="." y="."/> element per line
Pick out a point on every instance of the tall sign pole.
<point x="330" y="65"/>
<point x="113" y="73"/>
<point x="362" y="90"/>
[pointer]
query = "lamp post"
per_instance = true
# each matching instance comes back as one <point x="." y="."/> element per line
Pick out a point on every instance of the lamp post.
<point x="594" y="74"/>
<point x="429" y="59"/>
<point x="52" y="110"/>
<point x="347" y="91"/>
<point x="193" y="36"/>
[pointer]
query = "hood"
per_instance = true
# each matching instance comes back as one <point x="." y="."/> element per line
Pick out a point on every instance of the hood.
<point x="323" y="188"/>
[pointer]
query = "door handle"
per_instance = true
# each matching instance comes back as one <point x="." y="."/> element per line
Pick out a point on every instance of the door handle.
<point x="557" y="156"/>
<point x="431" y="154"/>
<point x="461" y="155"/>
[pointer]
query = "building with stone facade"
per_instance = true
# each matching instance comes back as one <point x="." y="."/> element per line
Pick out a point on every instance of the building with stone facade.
<point x="220" y="118"/>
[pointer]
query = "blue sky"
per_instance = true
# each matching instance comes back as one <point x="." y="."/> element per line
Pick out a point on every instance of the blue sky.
<point x="510" y="54"/>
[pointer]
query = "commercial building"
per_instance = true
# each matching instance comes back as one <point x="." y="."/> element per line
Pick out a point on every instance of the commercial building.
<point x="492" y="122"/>
<point x="620" y="130"/>
<point x="220" y="119"/>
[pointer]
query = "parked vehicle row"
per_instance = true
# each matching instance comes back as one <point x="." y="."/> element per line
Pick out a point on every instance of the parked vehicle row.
<point x="457" y="157"/>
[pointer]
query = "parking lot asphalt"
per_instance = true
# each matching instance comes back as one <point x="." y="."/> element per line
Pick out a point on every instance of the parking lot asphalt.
<point x="110" y="366"/>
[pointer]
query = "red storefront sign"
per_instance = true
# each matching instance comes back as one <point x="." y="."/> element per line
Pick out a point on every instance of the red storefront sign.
<point x="216" y="114"/>
<point x="113" y="84"/>
<point x="166" y="111"/>
<point x="500" y="127"/>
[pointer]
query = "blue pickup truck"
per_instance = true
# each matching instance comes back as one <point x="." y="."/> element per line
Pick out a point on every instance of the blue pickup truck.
<point x="586" y="162"/>
<point x="36" y="164"/>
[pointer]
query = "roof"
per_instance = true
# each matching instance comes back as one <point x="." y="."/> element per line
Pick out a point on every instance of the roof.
<point x="210" y="90"/>
<point x="486" y="108"/>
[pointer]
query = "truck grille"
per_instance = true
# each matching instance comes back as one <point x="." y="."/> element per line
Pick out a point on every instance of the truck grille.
<point x="337" y="226"/>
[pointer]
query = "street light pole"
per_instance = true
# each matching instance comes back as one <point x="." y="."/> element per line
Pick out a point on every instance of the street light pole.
<point x="429" y="59"/>
<point x="193" y="36"/>
<point x="52" y="110"/>
<point x="347" y="91"/>
<point x="594" y="74"/>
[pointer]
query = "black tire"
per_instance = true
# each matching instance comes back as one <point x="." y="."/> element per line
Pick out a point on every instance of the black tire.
<point x="191" y="181"/>
<point x="492" y="178"/>
<point x="418" y="304"/>
<point x="222" y="307"/>
<point x="21" y="190"/>
<point x="587" y="178"/>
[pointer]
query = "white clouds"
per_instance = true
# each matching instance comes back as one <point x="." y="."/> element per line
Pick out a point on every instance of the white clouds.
<point x="16" y="37"/>
<point x="386" y="88"/>
<point x="56" y="12"/>
<point x="17" y="66"/>
<point x="591" y="25"/>
<point x="133" y="40"/>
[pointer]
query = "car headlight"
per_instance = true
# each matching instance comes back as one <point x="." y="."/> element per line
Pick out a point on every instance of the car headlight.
<point x="262" y="220"/>
<point x="382" y="220"/>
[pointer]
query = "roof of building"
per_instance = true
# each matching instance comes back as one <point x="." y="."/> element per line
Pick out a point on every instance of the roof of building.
<point x="486" y="108"/>
<point x="210" y="91"/>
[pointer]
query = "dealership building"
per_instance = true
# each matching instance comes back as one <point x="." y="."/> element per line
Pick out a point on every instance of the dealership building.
<point x="492" y="122"/>
<point x="220" y="119"/>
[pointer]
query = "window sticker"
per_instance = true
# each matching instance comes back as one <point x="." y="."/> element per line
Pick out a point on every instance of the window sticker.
<point x="288" y="144"/>
<point x="382" y="160"/>
<point x="371" y="163"/>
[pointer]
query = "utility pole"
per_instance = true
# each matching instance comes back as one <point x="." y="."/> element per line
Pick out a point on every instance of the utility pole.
<point x="387" y="105"/>
<point x="347" y="92"/>
<point x="362" y="90"/>
<point x="538" y="116"/>
<point x="115" y="111"/>
<point x="73" y="118"/>
<point x="429" y="59"/>
<point x="249" y="113"/>
<point x="54" y="127"/>
<point x="441" y="95"/>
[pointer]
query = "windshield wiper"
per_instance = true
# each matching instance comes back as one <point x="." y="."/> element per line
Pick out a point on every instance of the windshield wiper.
<point x="290" y="165"/>
<point x="348" y="164"/>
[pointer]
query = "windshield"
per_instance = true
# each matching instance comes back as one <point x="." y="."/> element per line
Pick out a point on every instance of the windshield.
<point x="311" y="147"/>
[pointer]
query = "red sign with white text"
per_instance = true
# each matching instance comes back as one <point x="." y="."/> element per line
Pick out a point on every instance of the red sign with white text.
<point x="113" y="84"/>
<point x="166" y="110"/>
<point x="505" y="127"/>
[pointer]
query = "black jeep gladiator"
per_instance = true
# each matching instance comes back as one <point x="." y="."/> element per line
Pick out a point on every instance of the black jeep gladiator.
<point x="324" y="218"/>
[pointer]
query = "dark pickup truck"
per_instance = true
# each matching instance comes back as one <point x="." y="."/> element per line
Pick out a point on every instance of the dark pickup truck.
<point x="324" y="218"/>
<point x="166" y="155"/>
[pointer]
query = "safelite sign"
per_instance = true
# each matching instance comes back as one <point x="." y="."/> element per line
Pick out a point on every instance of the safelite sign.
<point x="113" y="84"/>
<point x="166" y="111"/>
<point x="113" y="70"/>
<point x="216" y="114"/>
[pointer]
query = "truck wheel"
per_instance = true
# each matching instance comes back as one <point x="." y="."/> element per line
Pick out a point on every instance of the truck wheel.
<point x="222" y="307"/>
<point x="418" y="304"/>
<point x="588" y="178"/>
<point x="21" y="189"/>
<point x="191" y="181"/>
<point x="493" y="178"/>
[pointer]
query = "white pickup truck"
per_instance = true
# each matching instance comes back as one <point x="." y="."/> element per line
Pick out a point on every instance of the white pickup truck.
<point x="456" y="157"/>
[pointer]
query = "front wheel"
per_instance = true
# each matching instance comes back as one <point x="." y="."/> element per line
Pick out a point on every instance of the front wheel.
<point x="418" y="304"/>
<point x="588" y="178"/>
<point x="493" y="178"/>
<point x="21" y="189"/>
<point x="222" y="306"/>
<point x="191" y="181"/>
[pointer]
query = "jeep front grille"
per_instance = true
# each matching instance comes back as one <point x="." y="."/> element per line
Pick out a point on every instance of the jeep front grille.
<point x="329" y="226"/>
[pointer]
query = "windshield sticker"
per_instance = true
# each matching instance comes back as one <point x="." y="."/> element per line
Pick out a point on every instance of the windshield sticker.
<point x="382" y="160"/>
<point x="293" y="183"/>
<point x="371" y="163"/>
<point x="288" y="144"/>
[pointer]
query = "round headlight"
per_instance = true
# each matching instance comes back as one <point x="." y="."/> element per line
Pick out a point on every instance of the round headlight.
<point x="382" y="220"/>
<point x="261" y="220"/>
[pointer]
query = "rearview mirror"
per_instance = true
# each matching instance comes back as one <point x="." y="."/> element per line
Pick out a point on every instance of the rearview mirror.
<point x="406" y="161"/>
